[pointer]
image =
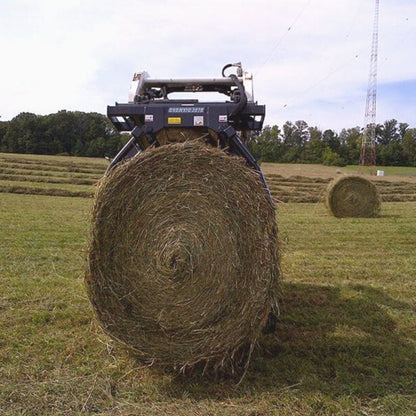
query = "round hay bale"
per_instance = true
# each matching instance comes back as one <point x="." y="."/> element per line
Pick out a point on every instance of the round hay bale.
<point x="183" y="259"/>
<point x="353" y="196"/>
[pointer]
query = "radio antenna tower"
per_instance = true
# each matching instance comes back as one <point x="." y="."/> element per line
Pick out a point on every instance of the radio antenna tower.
<point x="368" y="144"/>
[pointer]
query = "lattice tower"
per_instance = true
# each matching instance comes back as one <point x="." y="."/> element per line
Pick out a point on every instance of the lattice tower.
<point x="368" y="144"/>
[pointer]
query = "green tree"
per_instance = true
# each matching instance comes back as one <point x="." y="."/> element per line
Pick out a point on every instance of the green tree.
<point x="19" y="134"/>
<point x="350" y="145"/>
<point x="403" y="129"/>
<point x="267" y="145"/>
<point x="314" y="146"/>
<point x="3" y="131"/>
<point x="409" y="147"/>
<point x="331" y="139"/>
<point x="96" y="147"/>
<point x="295" y="136"/>
<point x="388" y="132"/>
<point x="73" y="133"/>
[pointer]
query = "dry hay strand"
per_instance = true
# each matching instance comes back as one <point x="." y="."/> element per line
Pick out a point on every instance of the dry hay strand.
<point x="183" y="258"/>
<point x="177" y="135"/>
<point x="353" y="196"/>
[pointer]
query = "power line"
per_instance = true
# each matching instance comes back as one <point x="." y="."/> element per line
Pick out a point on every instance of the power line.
<point x="328" y="75"/>
<point x="279" y="41"/>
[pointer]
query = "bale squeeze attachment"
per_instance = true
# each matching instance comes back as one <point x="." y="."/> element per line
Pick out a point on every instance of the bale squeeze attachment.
<point x="153" y="119"/>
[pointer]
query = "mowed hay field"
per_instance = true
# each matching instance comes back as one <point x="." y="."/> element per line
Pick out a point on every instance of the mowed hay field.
<point x="345" y="342"/>
<point x="72" y="176"/>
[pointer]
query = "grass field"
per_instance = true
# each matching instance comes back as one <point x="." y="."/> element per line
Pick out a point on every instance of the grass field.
<point x="70" y="176"/>
<point x="345" y="342"/>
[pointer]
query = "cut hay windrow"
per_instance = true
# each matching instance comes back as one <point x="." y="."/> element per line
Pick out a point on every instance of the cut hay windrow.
<point x="183" y="259"/>
<point x="54" y="167"/>
<point x="46" y="179"/>
<point x="62" y="161"/>
<point x="353" y="196"/>
<point x="32" y="190"/>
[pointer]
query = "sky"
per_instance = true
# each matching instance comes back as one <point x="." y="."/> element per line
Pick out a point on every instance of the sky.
<point x="310" y="58"/>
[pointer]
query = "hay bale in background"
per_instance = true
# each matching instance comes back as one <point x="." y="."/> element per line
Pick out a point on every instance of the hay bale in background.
<point x="353" y="196"/>
<point x="183" y="262"/>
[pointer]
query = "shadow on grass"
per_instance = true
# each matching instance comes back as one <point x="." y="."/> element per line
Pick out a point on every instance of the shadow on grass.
<point x="396" y="216"/>
<point x="328" y="339"/>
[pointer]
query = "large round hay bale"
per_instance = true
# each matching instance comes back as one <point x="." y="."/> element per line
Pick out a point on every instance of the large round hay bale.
<point x="183" y="261"/>
<point x="353" y="196"/>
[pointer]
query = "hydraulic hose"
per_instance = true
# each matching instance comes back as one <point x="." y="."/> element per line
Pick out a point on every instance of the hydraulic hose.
<point x="242" y="93"/>
<point x="243" y="97"/>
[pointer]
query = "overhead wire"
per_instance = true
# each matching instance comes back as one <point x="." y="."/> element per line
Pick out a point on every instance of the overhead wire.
<point x="328" y="75"/>
<point x="334" y="70"/>
<point x="354" y="55"/>
<point x="279" y="41"/>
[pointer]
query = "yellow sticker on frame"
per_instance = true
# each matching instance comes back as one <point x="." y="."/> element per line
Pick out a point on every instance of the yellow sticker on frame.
<point x="174" y="120"/>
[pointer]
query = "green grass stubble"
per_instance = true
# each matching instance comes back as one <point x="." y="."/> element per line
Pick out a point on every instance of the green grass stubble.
<point x="345" y="342"/>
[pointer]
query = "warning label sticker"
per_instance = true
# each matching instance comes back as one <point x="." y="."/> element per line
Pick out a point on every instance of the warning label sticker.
<point x="198" y="120"/>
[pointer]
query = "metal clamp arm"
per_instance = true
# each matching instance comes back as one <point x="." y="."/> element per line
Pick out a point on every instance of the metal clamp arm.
<point x="134" y="145"/>
<point x="237" y="147"/>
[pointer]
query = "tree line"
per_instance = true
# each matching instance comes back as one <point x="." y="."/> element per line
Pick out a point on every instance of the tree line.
<point x="73" y="133"/>
<point x="92" y="134"/>
<point x="299" y="143"/>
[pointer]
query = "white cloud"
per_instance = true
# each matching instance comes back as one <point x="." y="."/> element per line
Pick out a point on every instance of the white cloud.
<point x="310" y="57"/>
